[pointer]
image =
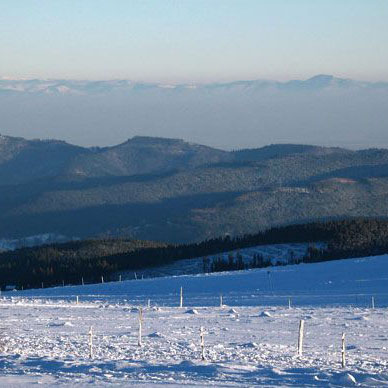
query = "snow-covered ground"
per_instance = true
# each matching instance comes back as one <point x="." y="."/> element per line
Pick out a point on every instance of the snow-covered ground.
<point x="251" y="341"/>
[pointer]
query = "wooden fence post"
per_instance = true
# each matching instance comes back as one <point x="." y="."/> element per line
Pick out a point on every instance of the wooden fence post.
<point x="289" y="303"/>
<point x="139" y="342"/>
<point x="343" y="358"/>
<point x="300" y="338"/>
<point x="91" y="342"/>
<point x="181" y="298"/>
<point x="221" y="301"/>
<point x="373" y="302"/>
<point x="202" y="337"/>
<point x="77" y="300"/>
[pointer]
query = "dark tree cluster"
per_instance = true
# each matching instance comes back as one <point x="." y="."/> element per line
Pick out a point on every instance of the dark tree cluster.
<point x="352" y="238"/>
<point x="91" y="259"/>
<point x="237" y="263"/>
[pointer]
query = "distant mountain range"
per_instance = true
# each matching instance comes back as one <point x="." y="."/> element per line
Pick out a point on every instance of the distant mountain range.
<point x="323" y="110"/>
<point x="171" y="190"/>
<point x="58" y="86"/>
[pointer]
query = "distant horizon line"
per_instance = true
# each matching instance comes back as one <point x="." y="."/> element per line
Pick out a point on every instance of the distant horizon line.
<point x="177" y="82"/>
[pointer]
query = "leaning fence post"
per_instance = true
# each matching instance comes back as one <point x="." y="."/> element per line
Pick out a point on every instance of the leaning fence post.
<point x="202" y="337"/>
<point x="91" y="342"/>
<point x="139" y="342"/>
<point x="343" y="358"/>
<point x="300" y="339"/>
<point x="181" y="298"/>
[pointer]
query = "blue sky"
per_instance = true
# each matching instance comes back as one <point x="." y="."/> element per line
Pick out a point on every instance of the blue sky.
<point x="193" y="40"/>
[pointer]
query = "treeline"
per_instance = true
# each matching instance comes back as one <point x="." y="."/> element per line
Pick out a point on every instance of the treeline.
<point x="91" y="259"/>
<point x="355" y="238"/>
<point x="66" y="262"/>
<point x="234" y="263"/>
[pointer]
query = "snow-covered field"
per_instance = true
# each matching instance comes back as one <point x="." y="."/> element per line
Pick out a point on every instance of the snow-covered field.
<point x="251" y="341"/>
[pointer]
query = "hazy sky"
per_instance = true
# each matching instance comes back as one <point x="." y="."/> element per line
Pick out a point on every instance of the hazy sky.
<point x="193" y="40"/>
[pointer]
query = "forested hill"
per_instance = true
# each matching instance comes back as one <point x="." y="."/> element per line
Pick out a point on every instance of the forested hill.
<point x="174" y="191"/>
<point x="91" y="259"/>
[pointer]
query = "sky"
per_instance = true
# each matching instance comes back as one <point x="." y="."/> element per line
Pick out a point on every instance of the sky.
<point x="193" y="40"/>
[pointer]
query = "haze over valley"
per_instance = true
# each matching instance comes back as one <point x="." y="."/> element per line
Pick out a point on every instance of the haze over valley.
<point x="322" y="110"/>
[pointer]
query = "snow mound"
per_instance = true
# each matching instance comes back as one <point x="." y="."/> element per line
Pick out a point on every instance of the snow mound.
<point x="250" y="345"/>
<point x="265" y="314"/>
<point x="192" y="311"/>
<point x="59" y="324"/>
<point x="345" y="379"/>
<point x="155" y="335"/>
<point x="232" y="311"/>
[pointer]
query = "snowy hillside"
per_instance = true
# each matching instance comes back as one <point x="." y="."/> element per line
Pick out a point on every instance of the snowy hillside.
<point x="351" y="281"/>
<point x="274" y="253"/>
<point x="251" y="340"/>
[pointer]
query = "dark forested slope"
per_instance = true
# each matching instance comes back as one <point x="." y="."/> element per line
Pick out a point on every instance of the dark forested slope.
<point x="91" y="259"/>
<point x="174" y="191"/>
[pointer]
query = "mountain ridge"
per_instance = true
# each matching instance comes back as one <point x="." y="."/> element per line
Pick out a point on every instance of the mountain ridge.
<point x="139" y="155"/>
<point x="175" y="191"/>
<point x="83" y="87"/>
